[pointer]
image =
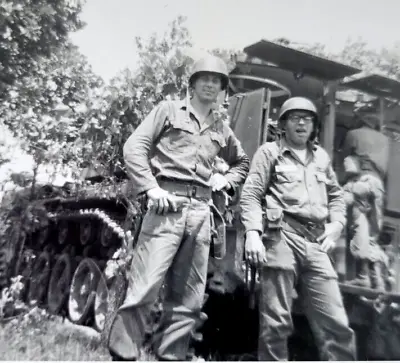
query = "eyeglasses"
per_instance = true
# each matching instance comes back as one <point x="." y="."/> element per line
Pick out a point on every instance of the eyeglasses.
<point x="306" y="119"/>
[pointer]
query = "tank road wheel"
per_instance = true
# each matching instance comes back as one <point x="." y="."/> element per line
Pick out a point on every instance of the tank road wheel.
<point x="39" y="278"/>
<point x="42" y="236"/>
<point x="10" y="250"/>
<point x="59" y="284"/>
<point x="83" y="292"/>
<point x="62" y="236"/>
<point x="3" y="267"/>
<point x="86" y="232"/>
<point x="110" y="295"/>
<point x="25" y="268"/>
<point x="107" y="236"/>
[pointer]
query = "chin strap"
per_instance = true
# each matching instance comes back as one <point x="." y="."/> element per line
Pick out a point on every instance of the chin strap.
<point x="187" y="103"/>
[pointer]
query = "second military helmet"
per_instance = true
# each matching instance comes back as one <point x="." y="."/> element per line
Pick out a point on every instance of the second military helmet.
<point x="210" y="64"/>
<point x="297" y="103"/>
<point x="300" y="104"/>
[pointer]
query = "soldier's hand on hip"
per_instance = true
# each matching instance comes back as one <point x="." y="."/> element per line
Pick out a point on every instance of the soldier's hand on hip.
<point x="330" y="236"/>
<point x="219" y="182"/>
<point x="254" y="248"/>
<point x="162" y="200"/>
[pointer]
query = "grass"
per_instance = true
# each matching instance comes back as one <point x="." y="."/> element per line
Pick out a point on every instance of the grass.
<point x="51" y="338"/>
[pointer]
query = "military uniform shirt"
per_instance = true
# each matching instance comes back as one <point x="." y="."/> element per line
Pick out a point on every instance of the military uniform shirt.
<point x="185" y="151"/>
<point x="308" y="190"/>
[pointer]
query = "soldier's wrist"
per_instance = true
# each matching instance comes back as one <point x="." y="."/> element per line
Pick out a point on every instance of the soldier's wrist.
<point x="253" y="232"/>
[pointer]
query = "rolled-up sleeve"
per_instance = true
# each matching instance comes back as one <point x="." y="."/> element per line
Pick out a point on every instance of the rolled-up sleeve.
<point x="336" y="204"/>
<point x="254" y="190"/>
<point x="237" y="160"/>
<point x="138" y="146"/>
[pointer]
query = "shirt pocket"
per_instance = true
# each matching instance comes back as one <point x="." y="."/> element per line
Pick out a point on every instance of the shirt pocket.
<point x="180" y="134"/>
<point x="288" y="177"/>
<point x="290" y="186"/>
<point x="213" y="142"/>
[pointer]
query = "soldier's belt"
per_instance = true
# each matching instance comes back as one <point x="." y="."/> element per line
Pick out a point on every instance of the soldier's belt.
<point x="308" y="230"/>
<point x="183" y="189"/>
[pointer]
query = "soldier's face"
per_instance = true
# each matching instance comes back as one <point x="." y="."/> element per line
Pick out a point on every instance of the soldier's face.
<point x="298" y="127"/>
<point x="207" y="87"/>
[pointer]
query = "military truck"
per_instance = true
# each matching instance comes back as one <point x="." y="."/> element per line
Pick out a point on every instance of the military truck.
<point x="76" y="236"/>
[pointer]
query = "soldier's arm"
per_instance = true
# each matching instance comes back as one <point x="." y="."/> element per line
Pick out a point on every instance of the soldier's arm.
<point x="336" y="201"/>
<point x="237" y="160"/>
<point x="254" y="190"/>
<point x="137" y="149"/>
<point x="349" y="144"/>
<point x="348" y="193"/>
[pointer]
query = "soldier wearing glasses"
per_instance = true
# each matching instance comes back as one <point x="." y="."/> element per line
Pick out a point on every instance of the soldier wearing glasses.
<point x="293" y="211"/>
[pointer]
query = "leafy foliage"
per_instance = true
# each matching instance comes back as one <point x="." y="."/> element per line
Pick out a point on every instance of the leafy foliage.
<point x="32" y="29"/>
<point x="164" y="60"/>
<point x="30" y="110"/>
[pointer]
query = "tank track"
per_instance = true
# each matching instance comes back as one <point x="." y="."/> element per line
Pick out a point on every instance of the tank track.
<point x="65" y="267"/>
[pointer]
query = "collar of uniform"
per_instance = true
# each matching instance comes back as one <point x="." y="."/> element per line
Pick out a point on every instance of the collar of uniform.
<point x="285" y="147"/>
<point x="185" y="101"/>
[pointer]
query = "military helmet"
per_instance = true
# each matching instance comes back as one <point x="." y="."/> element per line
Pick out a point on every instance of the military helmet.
<point x="300" y="104"/>
<point x="211" y="64"/>
<point x="297" y="103"/>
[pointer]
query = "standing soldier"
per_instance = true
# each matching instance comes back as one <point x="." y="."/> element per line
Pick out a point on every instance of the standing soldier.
<point x="371" y="148"/>
<point x="183" y="138"/>
<point x="292" y="181"/>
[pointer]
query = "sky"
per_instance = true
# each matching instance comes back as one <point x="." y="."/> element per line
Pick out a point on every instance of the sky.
<point x="108" y="38"/>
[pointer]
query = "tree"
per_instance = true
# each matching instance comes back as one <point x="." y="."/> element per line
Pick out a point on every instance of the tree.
<point x="32" y="106"/>
<point x="164" y="60"/>
<point x="30" y="30"/>
<point x="41" y="71"/>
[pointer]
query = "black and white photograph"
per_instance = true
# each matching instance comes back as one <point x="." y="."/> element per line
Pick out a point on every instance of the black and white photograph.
<point x="198" y="180"/>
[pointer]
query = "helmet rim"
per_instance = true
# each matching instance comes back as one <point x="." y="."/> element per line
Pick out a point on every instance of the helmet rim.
<point x="210" y="64"/>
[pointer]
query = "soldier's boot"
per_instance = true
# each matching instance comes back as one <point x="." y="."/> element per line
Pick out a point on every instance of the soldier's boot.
<point x="376" y="275"/>
<point x="362" y="274"/>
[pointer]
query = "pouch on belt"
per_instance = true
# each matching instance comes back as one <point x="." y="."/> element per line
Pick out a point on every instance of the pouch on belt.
<point x="272" y="220"/>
